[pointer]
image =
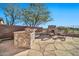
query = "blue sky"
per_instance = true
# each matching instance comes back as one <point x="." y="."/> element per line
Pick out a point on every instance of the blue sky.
<point x="64" y="14"/>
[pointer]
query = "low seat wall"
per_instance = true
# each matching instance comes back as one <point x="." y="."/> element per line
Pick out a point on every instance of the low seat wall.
<point x="22" y="39"/>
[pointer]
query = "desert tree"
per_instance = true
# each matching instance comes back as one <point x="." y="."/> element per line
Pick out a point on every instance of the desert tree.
<point x="12" y="13"/>
<point x="36" y="14"/>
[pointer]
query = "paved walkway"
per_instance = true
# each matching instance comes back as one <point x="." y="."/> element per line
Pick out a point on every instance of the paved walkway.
<point x="70" y="47"/>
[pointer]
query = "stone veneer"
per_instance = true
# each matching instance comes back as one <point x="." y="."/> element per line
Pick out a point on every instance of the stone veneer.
<point x="32" y="34"/>
<point x="23" y="39"/>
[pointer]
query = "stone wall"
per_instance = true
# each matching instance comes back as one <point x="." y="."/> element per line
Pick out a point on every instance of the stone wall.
<point x="23" y="39"/>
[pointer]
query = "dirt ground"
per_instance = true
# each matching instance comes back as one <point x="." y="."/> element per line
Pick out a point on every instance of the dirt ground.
<point x="70" y="47"/>
<point x="7" y="48"/>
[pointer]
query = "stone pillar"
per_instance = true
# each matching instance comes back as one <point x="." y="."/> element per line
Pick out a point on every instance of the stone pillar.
<point x="22" y="39"/>
<point x="32" y="34"/>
